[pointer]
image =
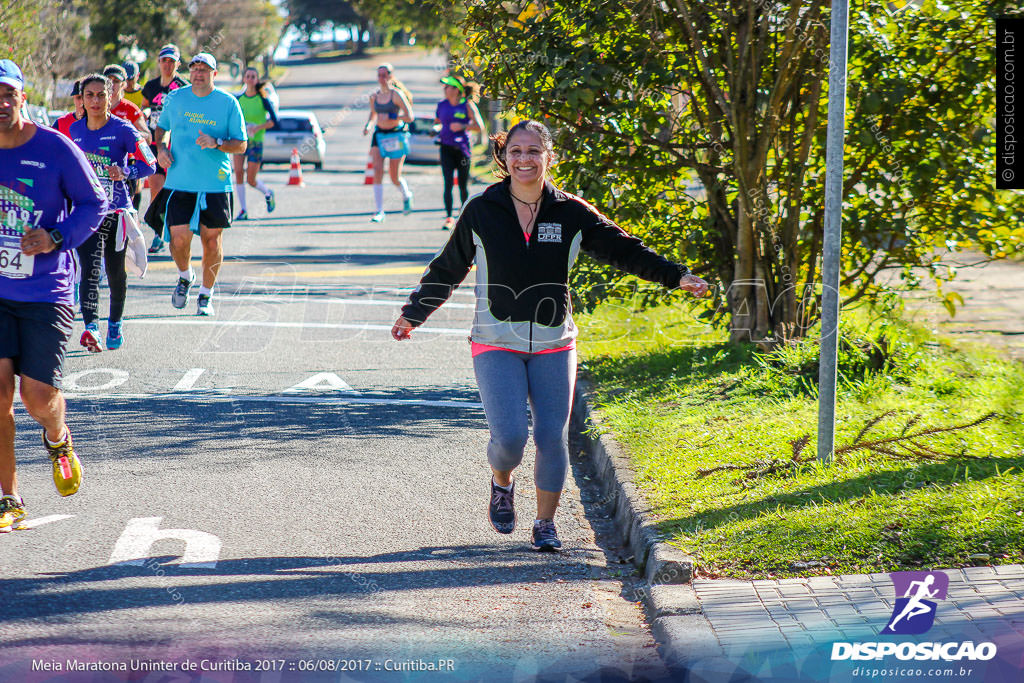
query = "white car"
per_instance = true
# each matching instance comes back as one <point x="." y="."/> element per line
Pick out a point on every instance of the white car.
<point x="295" y="129"/>
<point x="423" y="147"/>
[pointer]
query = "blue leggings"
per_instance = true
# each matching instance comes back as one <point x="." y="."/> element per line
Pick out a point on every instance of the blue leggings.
<point x="507" y="380"/>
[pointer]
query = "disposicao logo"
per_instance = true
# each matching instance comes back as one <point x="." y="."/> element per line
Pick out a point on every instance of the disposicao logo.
<point x="913" y="614"/>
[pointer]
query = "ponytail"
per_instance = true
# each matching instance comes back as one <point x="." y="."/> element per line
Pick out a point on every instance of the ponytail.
<point x="400" y="87"/>
<point x="472" y="92"/>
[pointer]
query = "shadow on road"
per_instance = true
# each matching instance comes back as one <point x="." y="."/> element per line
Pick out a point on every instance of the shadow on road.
<point x="271" y="425"/>
<point x="275" y="578"/>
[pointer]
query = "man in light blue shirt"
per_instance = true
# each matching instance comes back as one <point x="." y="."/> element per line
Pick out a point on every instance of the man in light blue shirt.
<point x="206" y="127"/>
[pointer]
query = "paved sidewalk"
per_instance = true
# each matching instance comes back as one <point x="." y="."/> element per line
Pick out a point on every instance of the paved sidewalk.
<point x="982" y="602"/>
<point x="784" y="630"/>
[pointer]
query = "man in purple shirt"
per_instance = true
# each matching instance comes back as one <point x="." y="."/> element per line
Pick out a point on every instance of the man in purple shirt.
<point x="42" y="174"/>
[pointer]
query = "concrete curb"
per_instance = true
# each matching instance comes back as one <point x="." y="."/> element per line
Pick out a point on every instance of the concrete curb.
<point x="678" y="624"/>
<point x="661" y="563"/>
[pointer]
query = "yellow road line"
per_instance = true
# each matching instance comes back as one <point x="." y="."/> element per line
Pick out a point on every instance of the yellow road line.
<point x="344" y="272"/>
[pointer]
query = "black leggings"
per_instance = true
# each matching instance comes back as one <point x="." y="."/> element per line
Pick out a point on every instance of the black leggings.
<point x="101" y="245"/>
<point x="452" y="159"/>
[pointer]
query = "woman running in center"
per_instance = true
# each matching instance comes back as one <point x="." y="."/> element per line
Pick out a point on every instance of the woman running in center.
<point x="524" y="234"/>
<point x="391" y="110"/>
<point x="110" y="144"/>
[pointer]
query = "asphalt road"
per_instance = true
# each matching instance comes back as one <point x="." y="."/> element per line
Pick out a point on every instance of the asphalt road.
<point x="285" y="484"/>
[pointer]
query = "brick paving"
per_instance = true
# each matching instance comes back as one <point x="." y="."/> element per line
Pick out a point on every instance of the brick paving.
<point x="981" y="602"/>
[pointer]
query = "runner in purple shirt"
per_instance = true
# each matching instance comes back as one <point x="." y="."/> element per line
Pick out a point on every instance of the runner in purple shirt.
<point x="458" y="116"/>
<point x="42" y="173"/>
<point x="110" y="144"/>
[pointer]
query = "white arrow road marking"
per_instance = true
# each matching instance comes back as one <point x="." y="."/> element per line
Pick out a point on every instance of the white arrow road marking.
<point x="38" y="522"/>
<point x="322" y="381"/>
<point x="132" y="548"/>
<point x="188" y="380"/>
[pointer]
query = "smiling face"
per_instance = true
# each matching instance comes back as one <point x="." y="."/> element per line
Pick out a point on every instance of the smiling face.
<point x="11" y="99"/>
<point x="527" y="159"/>
<point x="251" y="78"/>
<point x="95" y="99"/>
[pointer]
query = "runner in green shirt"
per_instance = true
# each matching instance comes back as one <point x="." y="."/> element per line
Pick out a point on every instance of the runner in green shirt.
<point x="259" y="115"/>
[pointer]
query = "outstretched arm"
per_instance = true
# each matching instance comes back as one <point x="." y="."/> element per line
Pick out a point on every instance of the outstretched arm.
<point x="444" y="274"/>
<point x="610" y="244"/>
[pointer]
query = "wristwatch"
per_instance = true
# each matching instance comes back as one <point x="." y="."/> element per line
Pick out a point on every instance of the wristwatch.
<point x="220" y="141"/>
<point x="57" y="237"/>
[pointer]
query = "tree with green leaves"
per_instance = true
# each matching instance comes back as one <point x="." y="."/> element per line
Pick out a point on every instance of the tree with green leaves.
<point x="118" y="25"/>
<point x="424" y="20"/>
<point x="384" y="18"/>
<point x="235" y="29"/>
<point x="702" y="128"/>
<point x="309" y="16"/>
<point x="46" y="57"/>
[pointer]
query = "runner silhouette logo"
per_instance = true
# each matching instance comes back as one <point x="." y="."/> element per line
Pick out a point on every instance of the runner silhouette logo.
<point x="914" y="612"/>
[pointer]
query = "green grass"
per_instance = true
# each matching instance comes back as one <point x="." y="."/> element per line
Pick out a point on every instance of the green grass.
<point x="680" y="399"/>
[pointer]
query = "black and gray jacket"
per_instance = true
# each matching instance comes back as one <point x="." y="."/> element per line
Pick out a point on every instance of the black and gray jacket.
<point x="522" y="289"/>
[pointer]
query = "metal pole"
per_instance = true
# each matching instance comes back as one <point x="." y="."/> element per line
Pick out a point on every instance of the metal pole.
<point x="833" y="229"/>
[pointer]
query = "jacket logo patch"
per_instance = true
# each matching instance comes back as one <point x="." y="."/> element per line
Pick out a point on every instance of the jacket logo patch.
<point x="549" y="232"/>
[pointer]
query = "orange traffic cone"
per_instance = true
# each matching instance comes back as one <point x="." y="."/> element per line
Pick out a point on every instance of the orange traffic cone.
<point x="368" y="176"/>
<point x="295" y="173"/>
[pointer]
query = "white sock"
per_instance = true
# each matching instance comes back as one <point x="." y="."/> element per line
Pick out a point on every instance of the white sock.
<point x="503" y="488"/>
<point x="378" y="197"/>
<point x="405" y="188"/>
<point x="240" y="193"/>
<point x="262" y="188"/>
<point x="187" y="274"/>
<point x="15" y="498"/>
<point x="63" y="438"/>
<point x="205" y="291"/>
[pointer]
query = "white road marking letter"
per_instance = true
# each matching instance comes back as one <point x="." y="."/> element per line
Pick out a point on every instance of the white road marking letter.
<point x="73" y="381"/>
<point x="33" y="523"/>
<point x="201" y="549"/>
<point x="188" y="380"/>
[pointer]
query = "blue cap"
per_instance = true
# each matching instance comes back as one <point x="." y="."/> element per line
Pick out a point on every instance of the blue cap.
<point x="205" y="58"/>
<point x="169" y="51"/>
<point x="11" y="75"/>
<point x="131" y="69"/>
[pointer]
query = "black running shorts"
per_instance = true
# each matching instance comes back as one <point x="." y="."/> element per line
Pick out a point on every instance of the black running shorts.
<point x="35" y="336"/>
<point x="217" y="214"/>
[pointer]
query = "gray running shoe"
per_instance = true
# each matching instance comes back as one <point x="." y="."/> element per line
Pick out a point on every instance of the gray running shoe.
<point x="545" y="538"/>
<point x="502" y="510"/>
<point x="179" y="297"/>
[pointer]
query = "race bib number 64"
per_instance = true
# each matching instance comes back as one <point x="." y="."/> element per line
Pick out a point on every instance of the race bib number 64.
<point x="14" y="263"/>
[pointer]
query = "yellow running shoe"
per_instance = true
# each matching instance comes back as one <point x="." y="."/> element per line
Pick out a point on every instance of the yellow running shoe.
<point x="67" y="470"/>
<point x="12" y="512"/>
